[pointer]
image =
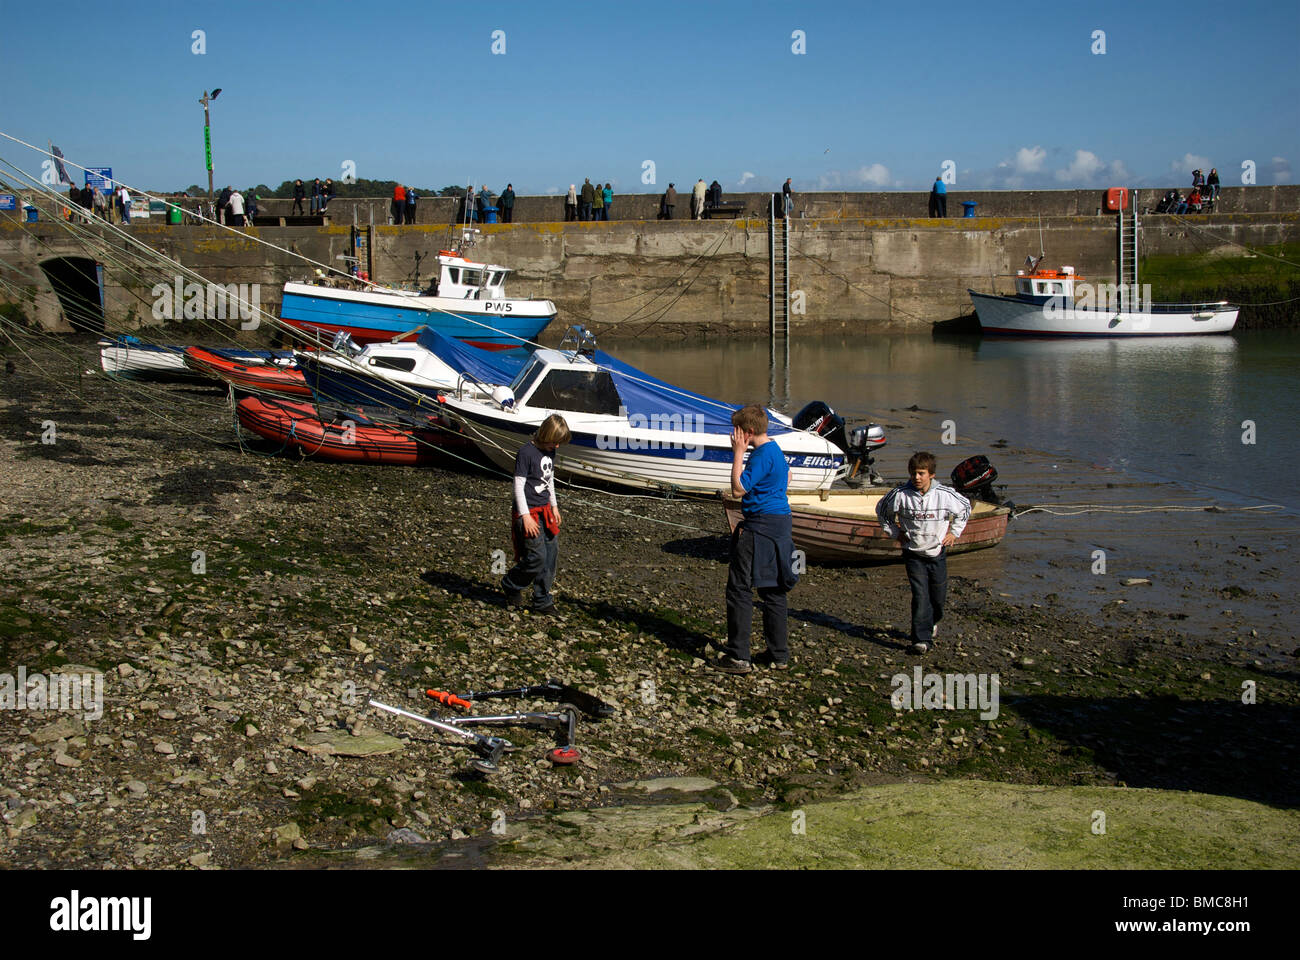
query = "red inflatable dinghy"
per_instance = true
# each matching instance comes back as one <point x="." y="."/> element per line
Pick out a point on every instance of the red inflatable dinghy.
<point x="356" y="440"/>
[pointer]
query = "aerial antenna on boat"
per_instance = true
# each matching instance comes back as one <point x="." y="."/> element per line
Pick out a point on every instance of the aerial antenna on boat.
<point x="1042" y="250"/>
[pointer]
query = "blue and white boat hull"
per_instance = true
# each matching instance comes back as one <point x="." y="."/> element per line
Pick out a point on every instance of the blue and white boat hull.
<point x="376" y="315"/>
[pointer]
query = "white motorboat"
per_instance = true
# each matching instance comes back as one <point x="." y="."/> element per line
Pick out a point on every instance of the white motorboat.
<point x="631" y="429"/>
<point x="403" y="374"/>
<point x="1059" y="303"/>
<point x="132" y="358"/>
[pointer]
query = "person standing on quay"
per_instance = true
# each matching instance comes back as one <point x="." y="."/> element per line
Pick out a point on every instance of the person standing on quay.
<point x="588" y="197"/>
<point x="697" y="199"/>
<point x="223" y="206"/>
<point x="101" y="205"/>
<point x="315" y="196"/>
<point x="939" y="199"/>
<point x="399" y="204"/>
<point x="236" y="207"/>
<point x="508" y="204"/>
<point x="571" y="204"/>
<point x="788" y="197"/>
<point x="124" y="197"/>
<point x="1213" y="183"/>
<point x="597" y="202"/>
<point x="299" y="193"/>
<point x="608" y="197"/>
<point x="670" y="201"/>
<point x="410" y="205"/>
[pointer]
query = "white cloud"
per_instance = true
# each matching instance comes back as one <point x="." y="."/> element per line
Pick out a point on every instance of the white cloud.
<point x="1189" y="163"/>
<point x="1118" y="171"/>
<point x="744" y="178"/>
<point x="1083" y="167"/>
<point x="1028" y="159"/>
<point x="876" y="175"/>
<point x="1280" y="168"/>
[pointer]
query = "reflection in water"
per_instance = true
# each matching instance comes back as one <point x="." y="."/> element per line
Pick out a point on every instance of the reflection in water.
<point x="1160" y="408"/>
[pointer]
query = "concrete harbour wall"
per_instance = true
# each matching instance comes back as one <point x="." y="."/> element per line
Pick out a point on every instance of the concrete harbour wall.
<point x="649" y="278"/>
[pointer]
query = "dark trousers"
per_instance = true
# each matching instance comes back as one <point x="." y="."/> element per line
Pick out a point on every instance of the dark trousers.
<point x="537" y="566"/>
<point x="570" y="212"/>
<point x="507" y="214"/>
<point x="297" y="205"/>
<point x="928" y="577"/>
<point x="410" y="213"/>
<point x="740" y="609"/>
<point x="398" y="207"/>
<point x="584" y="211"/>
<point x="668" y="211"/>
<point x="941" y="202"/>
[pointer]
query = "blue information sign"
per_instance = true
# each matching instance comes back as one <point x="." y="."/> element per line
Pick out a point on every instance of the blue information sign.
<point x="101" y="178"/>
<point x="8" y="201"/>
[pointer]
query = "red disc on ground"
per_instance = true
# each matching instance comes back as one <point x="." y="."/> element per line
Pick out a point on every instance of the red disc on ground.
<point x="564" y="755"/>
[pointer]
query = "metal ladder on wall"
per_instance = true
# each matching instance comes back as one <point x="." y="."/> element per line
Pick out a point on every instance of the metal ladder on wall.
<point x="1128" y="255"/>
<point x="361" y="248"/>
<point x="778" y="262"/>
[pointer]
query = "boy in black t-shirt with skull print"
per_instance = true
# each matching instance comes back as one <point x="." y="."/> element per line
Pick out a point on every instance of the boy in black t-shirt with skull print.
<point x="535" y="520"/>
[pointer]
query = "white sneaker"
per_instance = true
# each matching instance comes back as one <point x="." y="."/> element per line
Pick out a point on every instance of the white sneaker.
<point x="934" y="633"/>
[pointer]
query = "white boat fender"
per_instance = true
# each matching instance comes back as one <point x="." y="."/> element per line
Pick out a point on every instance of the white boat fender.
<point x="504" y="397"/>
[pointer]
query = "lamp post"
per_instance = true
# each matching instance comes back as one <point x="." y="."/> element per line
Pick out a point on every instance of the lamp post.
<point x="207" y="134"/>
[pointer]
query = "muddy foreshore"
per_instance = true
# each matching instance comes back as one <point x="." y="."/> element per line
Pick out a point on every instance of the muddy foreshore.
<point x="234" y="697"/>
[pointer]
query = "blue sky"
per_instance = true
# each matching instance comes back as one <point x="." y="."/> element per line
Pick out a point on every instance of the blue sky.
<point x="1011" y="94"/>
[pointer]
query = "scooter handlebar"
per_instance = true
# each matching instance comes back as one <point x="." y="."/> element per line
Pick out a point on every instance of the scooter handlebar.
<point x="449" y="699"/>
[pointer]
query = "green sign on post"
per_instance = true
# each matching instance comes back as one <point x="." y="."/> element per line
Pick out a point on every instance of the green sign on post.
<point x="207" y="145"/>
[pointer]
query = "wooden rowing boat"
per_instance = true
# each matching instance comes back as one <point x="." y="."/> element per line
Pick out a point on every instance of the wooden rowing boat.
<point x="841" y="525"/>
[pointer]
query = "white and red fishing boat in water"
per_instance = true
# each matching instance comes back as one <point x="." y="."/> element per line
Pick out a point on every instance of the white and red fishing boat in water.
<point x="1060" y="303"/>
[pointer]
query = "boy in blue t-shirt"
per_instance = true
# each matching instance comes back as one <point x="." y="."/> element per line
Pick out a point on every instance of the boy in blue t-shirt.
<point x="761" y="546"/>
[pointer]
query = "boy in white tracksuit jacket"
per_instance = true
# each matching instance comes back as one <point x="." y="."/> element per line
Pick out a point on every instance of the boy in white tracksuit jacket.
<point x="930" y="517"/>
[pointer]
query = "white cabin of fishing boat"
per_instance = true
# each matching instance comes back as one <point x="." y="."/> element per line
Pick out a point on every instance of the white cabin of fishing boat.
<point x="461" y="279"/>
<point x="1041" y="284"/>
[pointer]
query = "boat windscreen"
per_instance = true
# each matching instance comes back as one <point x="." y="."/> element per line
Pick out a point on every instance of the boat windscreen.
<point x="650" y="397"/>
<point x="482" y="365"/>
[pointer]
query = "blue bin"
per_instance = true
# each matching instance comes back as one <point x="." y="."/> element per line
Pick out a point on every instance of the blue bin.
<point x="969" y="207"/>
<point x="490" y="214"/>
<point x="33" y="215"/>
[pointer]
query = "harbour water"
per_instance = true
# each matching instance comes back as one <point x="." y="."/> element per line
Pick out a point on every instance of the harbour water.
<point x="1098" y="432"/>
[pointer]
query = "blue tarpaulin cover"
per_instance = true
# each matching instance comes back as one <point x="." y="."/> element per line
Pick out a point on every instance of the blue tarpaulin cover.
<point x="484" y="365"/>
<point x="648" y="396"/>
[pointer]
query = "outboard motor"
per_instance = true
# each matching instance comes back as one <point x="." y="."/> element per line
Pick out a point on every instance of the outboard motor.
<point x="342" y="343"/>
<point x="974" y="477"/>
<point x="818" y="417"/>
